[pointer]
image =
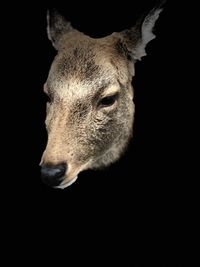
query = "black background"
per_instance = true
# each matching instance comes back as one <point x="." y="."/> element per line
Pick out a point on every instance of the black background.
<point x="135" y="206"/>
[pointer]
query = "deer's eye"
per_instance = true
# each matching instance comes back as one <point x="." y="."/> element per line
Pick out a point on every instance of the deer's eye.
<point x="108" y="100"/>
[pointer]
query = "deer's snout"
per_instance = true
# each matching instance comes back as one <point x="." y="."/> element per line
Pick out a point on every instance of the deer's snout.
<point x="53" y="175"/>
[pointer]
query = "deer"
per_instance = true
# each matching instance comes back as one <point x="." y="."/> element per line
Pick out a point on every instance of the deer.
<point x="90" y="108"/>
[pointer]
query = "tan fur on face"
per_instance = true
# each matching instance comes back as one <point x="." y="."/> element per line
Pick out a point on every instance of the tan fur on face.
<point x="82" y="132"/>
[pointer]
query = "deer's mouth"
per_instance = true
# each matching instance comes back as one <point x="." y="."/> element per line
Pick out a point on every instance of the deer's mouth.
<point x="65" y="184"/>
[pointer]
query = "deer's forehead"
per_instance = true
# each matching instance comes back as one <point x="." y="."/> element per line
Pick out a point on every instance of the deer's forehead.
<point x="85" y="61"/>
<point x="77" y="63"/>
<point x="78" y="70"/>
<point x="86" y="68"/>
<point x="76" y="89"/>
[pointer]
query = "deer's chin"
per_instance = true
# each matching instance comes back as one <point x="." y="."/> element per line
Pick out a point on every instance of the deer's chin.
<point x="65" y="183"/>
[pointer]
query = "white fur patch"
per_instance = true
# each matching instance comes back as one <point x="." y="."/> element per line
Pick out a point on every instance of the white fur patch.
<point x="147" y="34"/>
<point x="64" y="184"/>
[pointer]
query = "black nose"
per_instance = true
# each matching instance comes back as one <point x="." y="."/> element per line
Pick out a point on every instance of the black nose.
<point x="53" y="175"/>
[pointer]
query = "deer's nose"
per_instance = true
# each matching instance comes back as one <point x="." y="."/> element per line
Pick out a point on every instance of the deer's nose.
<point x="53" y="175"/>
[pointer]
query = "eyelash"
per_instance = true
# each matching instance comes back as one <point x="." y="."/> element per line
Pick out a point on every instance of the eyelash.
<point x="108" y="100"/>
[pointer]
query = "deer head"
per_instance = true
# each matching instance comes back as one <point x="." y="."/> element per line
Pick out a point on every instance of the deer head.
<point x="90" y="112"/>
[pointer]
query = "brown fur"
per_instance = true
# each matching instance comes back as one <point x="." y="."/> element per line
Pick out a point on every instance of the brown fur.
<point x="81" y="132"/>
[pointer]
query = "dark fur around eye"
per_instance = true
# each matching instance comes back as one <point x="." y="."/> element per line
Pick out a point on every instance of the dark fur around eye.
<point x="108" y="100"/>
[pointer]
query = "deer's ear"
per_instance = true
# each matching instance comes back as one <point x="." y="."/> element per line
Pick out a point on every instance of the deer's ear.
<point x="57" y="27"/>
<point x="134" y="40"/>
